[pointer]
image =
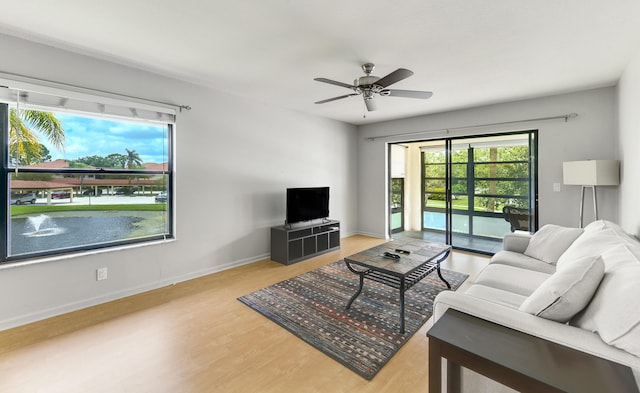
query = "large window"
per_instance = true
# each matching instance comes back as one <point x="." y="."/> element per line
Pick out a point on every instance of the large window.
<point x="80" y="175"/>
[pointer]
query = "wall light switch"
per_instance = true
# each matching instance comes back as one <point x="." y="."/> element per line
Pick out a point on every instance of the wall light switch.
<point x="556" y="187"/>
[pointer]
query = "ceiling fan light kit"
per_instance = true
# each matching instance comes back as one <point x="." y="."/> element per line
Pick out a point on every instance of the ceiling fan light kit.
<point x="369" y="85"/>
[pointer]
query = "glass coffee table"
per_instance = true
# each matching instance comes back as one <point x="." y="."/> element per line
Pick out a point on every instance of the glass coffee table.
<point x="400" y="264"/>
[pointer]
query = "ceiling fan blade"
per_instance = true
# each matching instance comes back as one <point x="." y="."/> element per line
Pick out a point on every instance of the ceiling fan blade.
<point x="336" y="98"/>
<point x="371" y="104"/>
<point x="394" y="77"/>
<point x="332" y="82"/>
<point x="407" y="93"/>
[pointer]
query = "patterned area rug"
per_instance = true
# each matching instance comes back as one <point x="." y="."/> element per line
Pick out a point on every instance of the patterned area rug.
<point x="363" y="338"/>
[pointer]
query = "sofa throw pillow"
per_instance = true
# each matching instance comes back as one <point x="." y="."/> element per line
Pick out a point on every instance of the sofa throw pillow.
<point x="614" y="311"/>
<point x="567" y="291"/>
<point x="632" y="242"/>
<point x="550" y="242"/>
<point x="596" y="243"/>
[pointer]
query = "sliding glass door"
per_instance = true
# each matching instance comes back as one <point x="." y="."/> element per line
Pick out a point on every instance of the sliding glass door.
<point x="435" y="183"/>
<point x="476" y="189"/>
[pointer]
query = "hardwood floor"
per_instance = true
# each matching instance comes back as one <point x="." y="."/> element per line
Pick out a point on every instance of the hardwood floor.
<point x="196" y="337"/>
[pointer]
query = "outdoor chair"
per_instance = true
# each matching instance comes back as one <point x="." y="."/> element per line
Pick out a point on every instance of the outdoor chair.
<point x="517" y="217"/>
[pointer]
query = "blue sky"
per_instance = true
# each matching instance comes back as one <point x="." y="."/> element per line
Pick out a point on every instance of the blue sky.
<point x="88" y="136"/>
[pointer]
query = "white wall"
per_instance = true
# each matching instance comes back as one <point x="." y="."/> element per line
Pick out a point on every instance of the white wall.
<point x="629" y="124"/>
<point x="592" y="135"/>
<point x="235" y="158"/>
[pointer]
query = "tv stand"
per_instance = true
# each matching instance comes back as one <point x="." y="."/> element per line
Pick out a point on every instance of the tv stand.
<point x="290" y="245"/>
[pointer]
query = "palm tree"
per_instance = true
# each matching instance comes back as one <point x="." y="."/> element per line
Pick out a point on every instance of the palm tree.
<point x="22" y="133"/>
<point x="133" y="159"/>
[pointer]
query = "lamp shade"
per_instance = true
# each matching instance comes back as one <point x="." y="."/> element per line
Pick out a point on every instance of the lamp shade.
<point x="591" y="173"/>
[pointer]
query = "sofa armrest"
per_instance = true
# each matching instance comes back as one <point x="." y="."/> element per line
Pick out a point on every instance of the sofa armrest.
<point x="516" y="241"/>
<point x="570" y="336"/>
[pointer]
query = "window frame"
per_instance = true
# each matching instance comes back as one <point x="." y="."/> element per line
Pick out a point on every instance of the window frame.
<point x="7" y="169"/>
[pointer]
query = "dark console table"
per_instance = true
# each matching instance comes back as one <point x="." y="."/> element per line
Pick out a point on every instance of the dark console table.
<point x="518" y="360"/>
<point x="291" y="244"/>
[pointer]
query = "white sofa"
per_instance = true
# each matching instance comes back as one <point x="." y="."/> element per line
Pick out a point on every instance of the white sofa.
<point x="590" y="299"/>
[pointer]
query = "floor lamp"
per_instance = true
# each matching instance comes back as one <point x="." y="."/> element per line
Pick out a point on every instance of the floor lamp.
<point x="590" y="174"/>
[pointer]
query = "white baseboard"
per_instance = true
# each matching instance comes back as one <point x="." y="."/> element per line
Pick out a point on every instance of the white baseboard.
<point x="85" y="303"/>
<point x="371" y="234"/>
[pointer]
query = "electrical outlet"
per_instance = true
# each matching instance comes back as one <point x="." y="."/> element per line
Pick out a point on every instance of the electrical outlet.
<point x="101" y="274"/>
<point x="556" y="187"/>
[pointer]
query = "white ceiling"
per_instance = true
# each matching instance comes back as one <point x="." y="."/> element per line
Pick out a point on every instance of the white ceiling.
<point x="468" y="52"/>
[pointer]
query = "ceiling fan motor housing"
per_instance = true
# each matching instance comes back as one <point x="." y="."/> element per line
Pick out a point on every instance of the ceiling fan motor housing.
<point x="366" y="86"/>
<point x="366" y="81"/>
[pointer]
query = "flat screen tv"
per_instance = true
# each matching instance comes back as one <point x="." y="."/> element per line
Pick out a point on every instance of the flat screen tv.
<point x="306" y="204"/>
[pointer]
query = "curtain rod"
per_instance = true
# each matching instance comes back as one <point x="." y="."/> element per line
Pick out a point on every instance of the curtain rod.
<point x="447" y="130"/>
<point x="85" y="90"/>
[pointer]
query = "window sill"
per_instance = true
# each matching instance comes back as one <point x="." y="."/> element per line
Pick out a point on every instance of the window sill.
<point x="61" y="257"/>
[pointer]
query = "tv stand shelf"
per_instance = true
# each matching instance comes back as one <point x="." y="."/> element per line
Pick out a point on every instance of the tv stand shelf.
<point x="294" y="244"/>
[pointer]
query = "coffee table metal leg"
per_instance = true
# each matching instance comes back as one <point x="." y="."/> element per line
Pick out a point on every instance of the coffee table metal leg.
<point x="361" y="275"/>
<point x="438" y="269"/>
<point x="402" y="306"/>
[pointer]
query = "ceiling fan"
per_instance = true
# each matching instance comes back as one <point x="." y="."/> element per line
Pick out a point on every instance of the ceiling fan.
<point x="368" y="86"/>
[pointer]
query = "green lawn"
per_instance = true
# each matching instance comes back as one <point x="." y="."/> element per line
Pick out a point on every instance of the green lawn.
<point x="26" y="209"/>
<point x="461" y="203"/>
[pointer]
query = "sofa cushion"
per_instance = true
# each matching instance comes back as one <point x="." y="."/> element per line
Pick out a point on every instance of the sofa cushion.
<point x="619" y="255"/>
<point x="567" y="291"/>
<point x="494" y="295"/>
<point x="630" y="241"/>
<point x="516" y="241"/>
<point x="614" y="311"/>
<point x="520" y="260"/>
<point x="594" y="243"/>
<point x="551" y="241"/>
<point x="511" y="278"/>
